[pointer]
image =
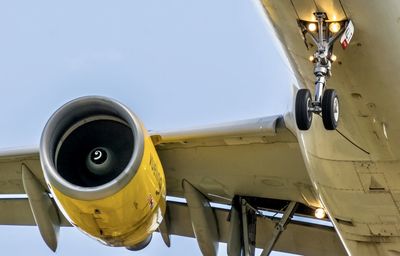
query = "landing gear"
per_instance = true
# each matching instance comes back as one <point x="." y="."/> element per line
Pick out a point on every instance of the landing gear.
<point x="243" y="219"/>
<point x="326" y="101"/>
<point x="305" y="107"/>
<point x="242" y="234"/>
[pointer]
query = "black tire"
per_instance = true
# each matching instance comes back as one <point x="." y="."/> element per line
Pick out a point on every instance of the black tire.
<point x="302" y="105"/>
<point x="330" y="109"/>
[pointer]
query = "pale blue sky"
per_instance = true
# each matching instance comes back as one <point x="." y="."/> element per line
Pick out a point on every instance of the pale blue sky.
<point x="177" y="63"/>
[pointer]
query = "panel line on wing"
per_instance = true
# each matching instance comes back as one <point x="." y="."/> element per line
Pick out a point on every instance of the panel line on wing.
<point x="263" y="213"/>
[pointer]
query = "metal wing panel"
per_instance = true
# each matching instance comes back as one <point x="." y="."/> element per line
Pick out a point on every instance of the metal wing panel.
<point x="10" y="169"/>
<point x="257" y="157"/>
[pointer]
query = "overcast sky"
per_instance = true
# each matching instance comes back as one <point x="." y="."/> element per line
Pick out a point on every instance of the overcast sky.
<point x="177" y="64"/>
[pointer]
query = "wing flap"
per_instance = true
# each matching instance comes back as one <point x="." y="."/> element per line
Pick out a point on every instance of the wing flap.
<point x="297" y="238"/>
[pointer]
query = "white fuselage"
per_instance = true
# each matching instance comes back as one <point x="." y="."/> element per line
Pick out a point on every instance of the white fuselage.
<point x="355" y="170"/>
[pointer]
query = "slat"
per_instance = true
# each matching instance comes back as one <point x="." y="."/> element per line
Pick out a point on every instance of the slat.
<point x="258" y="126"/>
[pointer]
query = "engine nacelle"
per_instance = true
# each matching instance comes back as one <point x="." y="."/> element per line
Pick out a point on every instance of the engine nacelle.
<point x="103" y="170"/>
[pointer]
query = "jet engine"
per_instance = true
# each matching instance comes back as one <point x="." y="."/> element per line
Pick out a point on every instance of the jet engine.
<point x="103" y="171"/>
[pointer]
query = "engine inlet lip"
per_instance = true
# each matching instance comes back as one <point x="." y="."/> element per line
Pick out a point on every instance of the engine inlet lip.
<point x="69" y="115"/>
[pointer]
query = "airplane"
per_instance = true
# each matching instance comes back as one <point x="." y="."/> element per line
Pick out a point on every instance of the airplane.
<point x="296" y="163"/>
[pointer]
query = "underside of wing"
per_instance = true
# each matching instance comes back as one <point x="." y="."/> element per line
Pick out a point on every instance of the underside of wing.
<point x="258" y="160"/>
<point x="258" y="157"/>
<point x="300" y="237"/>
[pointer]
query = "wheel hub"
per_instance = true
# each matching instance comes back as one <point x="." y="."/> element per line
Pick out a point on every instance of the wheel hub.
<point x="336" y="109"/>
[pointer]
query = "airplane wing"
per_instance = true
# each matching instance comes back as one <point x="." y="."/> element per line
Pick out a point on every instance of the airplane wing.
<point x="252" y="158"/>
<point x="236" y="158"/>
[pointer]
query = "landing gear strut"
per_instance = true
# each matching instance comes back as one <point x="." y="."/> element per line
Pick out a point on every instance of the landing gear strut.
<point x="325" y="102"/>
<point x="242" y="233"/>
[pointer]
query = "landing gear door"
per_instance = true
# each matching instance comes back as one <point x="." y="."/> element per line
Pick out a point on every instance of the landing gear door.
<point x="347" y="35"/>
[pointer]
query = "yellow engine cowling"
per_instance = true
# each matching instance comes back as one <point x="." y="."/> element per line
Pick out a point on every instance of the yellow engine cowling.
<point x="103" y="170"/>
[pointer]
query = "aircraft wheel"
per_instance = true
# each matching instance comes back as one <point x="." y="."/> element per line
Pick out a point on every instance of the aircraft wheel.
<point x="330" y="109"/>
<point x="302" y="109"/>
